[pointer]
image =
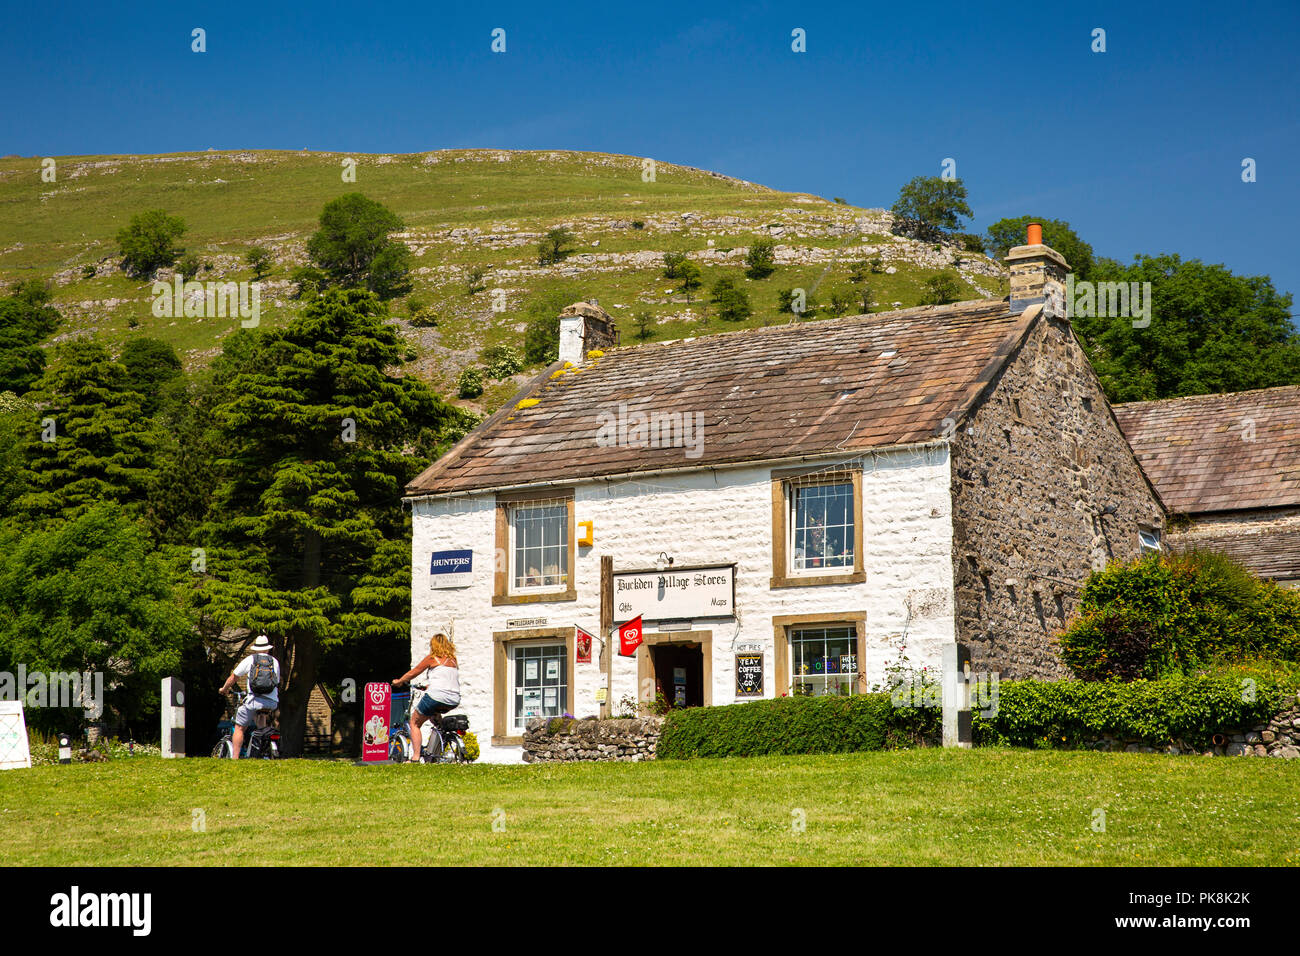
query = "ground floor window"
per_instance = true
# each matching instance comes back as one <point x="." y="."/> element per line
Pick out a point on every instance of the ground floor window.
<point x="824" y="660"/>
<point x="532" y="676"/>
<point x="540" y="685"/>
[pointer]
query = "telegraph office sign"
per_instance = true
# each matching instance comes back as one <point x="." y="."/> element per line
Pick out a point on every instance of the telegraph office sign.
<point x="690" y="594"/>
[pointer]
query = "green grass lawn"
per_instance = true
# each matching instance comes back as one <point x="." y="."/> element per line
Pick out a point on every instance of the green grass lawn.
<point x="922" y="807"/>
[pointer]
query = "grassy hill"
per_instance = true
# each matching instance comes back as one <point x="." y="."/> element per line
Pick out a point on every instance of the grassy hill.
<point x="462" y="208"/>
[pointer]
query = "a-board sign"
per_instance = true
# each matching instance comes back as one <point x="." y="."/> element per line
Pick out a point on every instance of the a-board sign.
<point x="451" y="569"/>
<point x="13" y="736"/>
<point x="690" y="594"/>
<point x="749" y="674"/>
<point x="375" y="721"/>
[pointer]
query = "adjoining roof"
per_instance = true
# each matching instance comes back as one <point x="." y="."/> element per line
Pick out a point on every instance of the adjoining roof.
<point x="1219" y="452"/>
<point x="802" y="389"/>
<point x="1270" y="553"/>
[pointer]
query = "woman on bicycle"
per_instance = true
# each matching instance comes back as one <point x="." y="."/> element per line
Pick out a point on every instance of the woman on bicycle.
<point x="442" y="692"/>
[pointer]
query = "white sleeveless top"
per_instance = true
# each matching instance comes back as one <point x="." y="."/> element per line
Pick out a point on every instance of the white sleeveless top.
<point x="444" y="683"/>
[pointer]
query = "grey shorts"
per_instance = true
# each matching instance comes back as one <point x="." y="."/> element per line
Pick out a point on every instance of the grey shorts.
<point x="244" y="717"/>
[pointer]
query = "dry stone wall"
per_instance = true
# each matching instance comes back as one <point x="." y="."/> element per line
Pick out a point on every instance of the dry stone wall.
<point x="559" y="739"/>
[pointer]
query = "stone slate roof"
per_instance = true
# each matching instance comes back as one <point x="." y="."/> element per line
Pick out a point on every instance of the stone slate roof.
<point x="1268" y="552"/>
<point x="806" y="388"/>
<point x="1196" y="454"/>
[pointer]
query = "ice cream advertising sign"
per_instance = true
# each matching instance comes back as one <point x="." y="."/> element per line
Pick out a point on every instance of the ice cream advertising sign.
<point x="374" y="722"/>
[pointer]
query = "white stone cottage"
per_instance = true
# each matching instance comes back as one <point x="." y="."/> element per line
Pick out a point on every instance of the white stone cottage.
<point x="790" y="509"/>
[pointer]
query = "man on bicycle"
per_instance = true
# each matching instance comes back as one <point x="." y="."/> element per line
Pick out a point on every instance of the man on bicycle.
<point x="261" y="672"/>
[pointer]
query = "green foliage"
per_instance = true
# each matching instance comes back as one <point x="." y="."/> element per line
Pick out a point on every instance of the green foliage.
<point x="190" y="266"/>
<point x="308" y="281"/>
<point x="783" y="725"/>
<point x="101" y="447"/>
<point x="352" y="246"/>
<point x="1210" y="331"/>
<point x="319" y="437"/>
<point x="470" y="383"/>
<point x="731" y="300"/>
<point x="148" y="243"/>
<point x="87" y="595"/>
<point x="644" y="321"/>
<point x="1172" y="614"/>
<point x="760" y="260"/>
<point x="928" y="205"/>
<point x="691" y="278"/>
<point x="26" y="319"/>
<point x="859" y="271"/>
<point x="1005" y="234"/>
<point x="502" y="361"/>
<point x="150" y="364"/>
<point x="542" y="328"/>
<point x="841" y="301"/>
<point x="474" y="279"/>
<point x="554" y="246"/>
<point x="673" y="263"/>
<point x="259" y="260"/>
<point x="1072" y="713"/>
<point x="942" y="288"/>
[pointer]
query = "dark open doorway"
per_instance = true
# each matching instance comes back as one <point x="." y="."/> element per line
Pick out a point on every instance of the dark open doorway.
<point x="679" y="673"/>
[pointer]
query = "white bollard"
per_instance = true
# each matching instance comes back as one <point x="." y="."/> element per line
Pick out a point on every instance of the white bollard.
<point x="173" y="717"/>
<point x="956" y="696"/>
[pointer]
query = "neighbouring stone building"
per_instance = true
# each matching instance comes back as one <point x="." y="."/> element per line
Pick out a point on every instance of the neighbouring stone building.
<point x="1228" y="469"/>
<point x="789" y="510"/>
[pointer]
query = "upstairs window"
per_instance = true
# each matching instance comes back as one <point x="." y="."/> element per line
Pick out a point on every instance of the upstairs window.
<point x="821" y="525"/>
<point x="539" y="534"/>
<point x="535" y="548"/>
<point x="817" y="527"/>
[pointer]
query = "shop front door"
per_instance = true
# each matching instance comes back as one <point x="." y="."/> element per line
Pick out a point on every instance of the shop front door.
<point x="679" y="673"/>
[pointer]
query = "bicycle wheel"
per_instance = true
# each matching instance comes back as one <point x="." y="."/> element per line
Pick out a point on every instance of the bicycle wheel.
<point x="456" y="750"/>
<point x="399" y="748"/>
<point x="222" y="750"/>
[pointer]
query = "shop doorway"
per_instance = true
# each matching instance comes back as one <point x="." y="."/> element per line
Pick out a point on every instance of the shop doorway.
<point x="679" y="674"/>
<point x="677" y="666"/>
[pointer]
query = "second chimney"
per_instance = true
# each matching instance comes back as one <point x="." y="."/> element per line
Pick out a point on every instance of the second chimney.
<point x="1037" y="274"/>
<point x="584" y="327"/>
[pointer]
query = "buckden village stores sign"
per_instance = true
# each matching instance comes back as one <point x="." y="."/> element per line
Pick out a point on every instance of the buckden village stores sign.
<point x="676" y="594"/>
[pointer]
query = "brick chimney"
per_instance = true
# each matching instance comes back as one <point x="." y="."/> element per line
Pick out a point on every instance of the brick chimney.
<point x="1037" y="274"/>
<point x="585" y="326"/>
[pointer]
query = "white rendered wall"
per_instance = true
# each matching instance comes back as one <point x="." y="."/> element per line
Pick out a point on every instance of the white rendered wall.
<point x="707" y="517"/>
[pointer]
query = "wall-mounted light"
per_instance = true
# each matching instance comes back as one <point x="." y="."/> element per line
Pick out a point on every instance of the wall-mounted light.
<point x="664" y="560"/>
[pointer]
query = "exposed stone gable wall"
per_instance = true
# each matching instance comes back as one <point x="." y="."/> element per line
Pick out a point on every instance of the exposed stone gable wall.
<point x="1033" y="467"/>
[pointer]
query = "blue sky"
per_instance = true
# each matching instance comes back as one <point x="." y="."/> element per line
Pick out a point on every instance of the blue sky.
<point x="1139" y="148"/>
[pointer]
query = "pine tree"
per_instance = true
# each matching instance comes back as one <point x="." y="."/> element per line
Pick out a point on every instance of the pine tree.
<point x="320" y="439"/>
<point x="88" y="441"/>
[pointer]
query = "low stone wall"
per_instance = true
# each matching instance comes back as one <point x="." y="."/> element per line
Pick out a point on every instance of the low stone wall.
<point x="561" y="739"/>
<point x="1280" y="737"/>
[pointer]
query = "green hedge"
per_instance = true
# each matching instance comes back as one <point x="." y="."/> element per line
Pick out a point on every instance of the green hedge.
<point x="784" y="725"/>
<point x="1071" y="713"/>
<point x="1061" y="714"/>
